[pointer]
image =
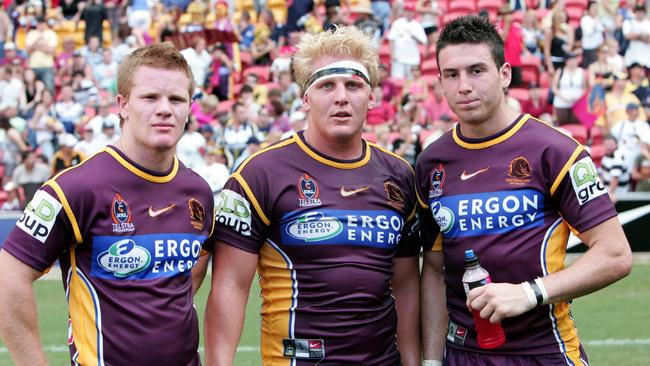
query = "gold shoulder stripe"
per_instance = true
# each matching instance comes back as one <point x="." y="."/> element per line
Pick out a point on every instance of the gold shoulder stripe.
<point x="390" y="153"/>
<point x="214" y="220"/>
<point x="144" y="175"/>
<point x="66" y="207"/>
<point x="565" y="169"/>
<point x="494" y="141"/>
<point x="280" y="144"/>
<point x="332" y="163"/>
<point x="251" y="196"/>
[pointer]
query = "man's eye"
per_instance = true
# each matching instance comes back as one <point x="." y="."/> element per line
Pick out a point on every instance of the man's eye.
<point x="353" y="85"/>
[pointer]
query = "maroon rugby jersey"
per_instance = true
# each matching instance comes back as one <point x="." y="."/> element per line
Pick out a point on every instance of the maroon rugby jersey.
<point x="326" y="232"/>
<point x="127" y="239"/>
<point x="513" y="198"/>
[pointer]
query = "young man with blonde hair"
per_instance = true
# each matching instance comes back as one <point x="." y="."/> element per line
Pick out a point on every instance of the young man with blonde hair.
<point x="127" y="225"/>
<point x="328" y="220"/>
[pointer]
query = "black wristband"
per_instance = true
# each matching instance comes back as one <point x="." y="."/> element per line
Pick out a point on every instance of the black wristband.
<point x="538" y="293"/>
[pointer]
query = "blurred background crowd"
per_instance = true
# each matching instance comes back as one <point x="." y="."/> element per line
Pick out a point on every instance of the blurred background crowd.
<point x="579" y="65"/>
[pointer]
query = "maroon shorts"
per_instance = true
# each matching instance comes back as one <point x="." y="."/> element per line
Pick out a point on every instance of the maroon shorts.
<point x="457" y="357"/>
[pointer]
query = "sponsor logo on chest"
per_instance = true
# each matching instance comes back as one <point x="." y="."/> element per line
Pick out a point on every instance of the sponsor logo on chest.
<point x="381" y="228"/>
<point x="121" y="215"/>
<point x="145" y="256"/>
<point x="308" y="192"/>
<point x="488" y="212"/>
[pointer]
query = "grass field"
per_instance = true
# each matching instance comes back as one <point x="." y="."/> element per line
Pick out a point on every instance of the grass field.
<point x="613" y="323"/>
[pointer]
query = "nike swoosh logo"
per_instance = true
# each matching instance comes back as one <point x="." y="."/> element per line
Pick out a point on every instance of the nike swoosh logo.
<point x="160" y="211"/>
<point x="624" y="217"/>
<point x="345" y="193"/>
<point x="465" y="176"/>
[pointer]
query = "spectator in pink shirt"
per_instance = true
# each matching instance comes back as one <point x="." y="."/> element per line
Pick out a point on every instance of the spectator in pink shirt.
<point x="513" y="40"/>
<point x="383" y="112"/>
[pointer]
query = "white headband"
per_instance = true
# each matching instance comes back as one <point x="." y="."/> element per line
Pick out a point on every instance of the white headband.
<point x="337" y="69"/>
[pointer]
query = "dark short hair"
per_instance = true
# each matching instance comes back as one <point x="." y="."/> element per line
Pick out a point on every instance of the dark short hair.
<point x="246" y="89"/>
<point x="472" y="29"/>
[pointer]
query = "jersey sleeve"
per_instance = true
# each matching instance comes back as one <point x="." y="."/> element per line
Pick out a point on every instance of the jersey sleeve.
<point x="429" y="229"/>
<point x="43" y="232"/>
<point x="240" y="221"/>
<point x="581" y="196"/>
<point x="409" y="245"/>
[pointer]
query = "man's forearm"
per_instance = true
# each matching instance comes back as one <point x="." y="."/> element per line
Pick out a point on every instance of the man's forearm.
<point x="199" y="271"/>
<point x="224" y="320"/>
<point x="406" y="290"/>
<point x="434" y="316"/>
<point x="19" y="325"/>
<point x="607" y="260"/>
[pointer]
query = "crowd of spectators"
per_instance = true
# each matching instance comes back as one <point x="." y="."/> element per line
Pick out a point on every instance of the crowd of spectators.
<point x="579" y="65"/>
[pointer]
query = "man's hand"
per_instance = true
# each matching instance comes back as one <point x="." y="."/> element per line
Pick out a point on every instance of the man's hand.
<point x="497" y="301"/>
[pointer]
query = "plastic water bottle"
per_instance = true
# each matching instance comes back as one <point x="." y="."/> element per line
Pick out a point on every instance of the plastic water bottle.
<point x="488" y="335"/>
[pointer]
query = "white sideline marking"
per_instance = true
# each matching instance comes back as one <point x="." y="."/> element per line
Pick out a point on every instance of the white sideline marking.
<point x="609" y="342"/>
<point x="617" y="342"/>
<point x="62" y="349"/>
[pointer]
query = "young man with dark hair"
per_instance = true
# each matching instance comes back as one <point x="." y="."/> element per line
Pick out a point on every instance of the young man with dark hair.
<point x="511" y="188"/>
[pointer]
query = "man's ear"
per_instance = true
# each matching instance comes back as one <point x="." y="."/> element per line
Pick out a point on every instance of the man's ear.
<point x="305" y="103"/>
<point x="372" y="100"/>
<point x="121" y="104"/>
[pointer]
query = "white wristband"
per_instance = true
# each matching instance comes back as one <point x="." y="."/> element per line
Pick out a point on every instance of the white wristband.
<point x="532" y="300"/>
<point x="431" y="363"/>
<point x="540" y="284"/>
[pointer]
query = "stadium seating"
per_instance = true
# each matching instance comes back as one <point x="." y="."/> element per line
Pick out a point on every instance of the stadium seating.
<point x="429" y="67"/>
<point x="577" y="131"/>
<point x="597" y="152"/>
<point x="544" y="79"/>
<point x="447" y="17"/>
<point x="279" y="9"/>
<point x="492" y="6"/>
<point x="521" y="94"/>
<point x="580" y="4"/>
<point x="462" y="6"/>
<point x="574" y="15"/>
<point x="530" y="65"/>
<point x="596" y="135"/>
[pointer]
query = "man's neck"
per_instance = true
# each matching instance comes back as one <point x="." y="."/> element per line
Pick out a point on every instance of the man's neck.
<point x="342" y="150"/>
<point x="152" y="160"/>
<point x="490" y="127"/>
